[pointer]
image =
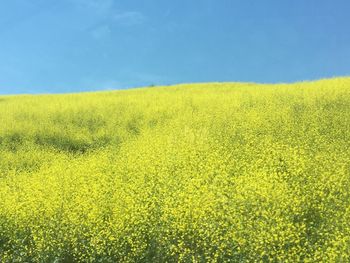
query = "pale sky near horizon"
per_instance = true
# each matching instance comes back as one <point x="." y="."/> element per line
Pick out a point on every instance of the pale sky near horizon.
<point x="49" y="46"/>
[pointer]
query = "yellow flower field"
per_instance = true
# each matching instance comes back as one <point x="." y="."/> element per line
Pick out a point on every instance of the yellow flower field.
<point x="217" y="172"/>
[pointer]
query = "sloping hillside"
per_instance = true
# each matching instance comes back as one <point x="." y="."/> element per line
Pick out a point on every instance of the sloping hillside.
<point x="196" y="172"/>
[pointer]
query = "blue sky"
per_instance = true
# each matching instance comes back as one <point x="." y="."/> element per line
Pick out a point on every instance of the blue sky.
<point x="77" y="45"/>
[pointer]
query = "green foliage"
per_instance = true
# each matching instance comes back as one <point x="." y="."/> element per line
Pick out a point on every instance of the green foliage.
<point x="190" y="173"/>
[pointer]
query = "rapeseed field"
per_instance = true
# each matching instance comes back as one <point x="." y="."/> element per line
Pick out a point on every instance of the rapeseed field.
<point x="217" y="172"/>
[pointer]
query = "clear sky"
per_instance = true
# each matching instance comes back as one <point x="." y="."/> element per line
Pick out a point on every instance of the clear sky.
<point x="76" y="45"/>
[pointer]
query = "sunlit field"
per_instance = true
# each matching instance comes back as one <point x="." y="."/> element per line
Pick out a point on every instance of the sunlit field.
<point x="211" y="172"/>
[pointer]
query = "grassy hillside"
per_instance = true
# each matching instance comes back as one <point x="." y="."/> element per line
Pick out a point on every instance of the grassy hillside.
<point x="202" y="172"/>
